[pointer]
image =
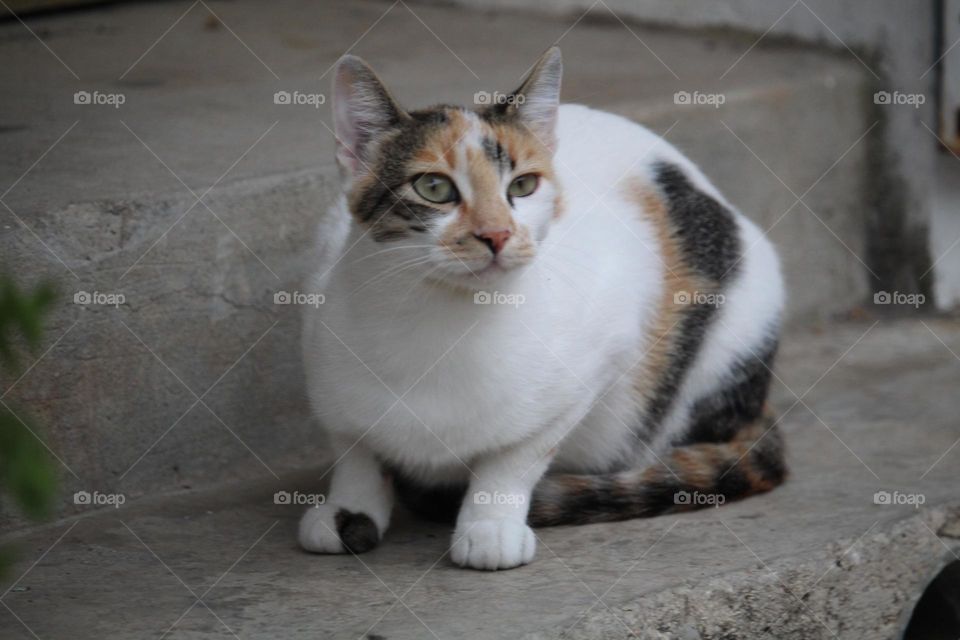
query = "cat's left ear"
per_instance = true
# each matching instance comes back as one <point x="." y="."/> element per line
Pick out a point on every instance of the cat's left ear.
<point x="536" y="102"/>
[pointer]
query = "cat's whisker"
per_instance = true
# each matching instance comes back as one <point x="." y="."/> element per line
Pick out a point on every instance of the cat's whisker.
<point x="392" y="271"/>
<point x="382" y="251"/>
<point x="399" y="267"/>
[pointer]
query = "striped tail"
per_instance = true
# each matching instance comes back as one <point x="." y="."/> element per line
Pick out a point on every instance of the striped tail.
<point x="689" y="477"/>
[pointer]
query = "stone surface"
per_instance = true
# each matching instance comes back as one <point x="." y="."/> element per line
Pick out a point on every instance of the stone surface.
<point x="817" y="558"/>
<point x="104" y="199"/>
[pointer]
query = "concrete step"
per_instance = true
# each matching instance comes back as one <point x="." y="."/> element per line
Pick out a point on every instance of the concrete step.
<point x="103" y="198"/>
<point x="792" y="564"/>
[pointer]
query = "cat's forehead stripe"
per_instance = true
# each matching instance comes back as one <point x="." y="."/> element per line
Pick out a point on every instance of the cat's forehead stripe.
<point x="448" y="146"/>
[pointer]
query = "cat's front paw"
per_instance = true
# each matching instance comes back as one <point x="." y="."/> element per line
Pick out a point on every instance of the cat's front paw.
<point x="329" y="528"/>
<point x="493" y="544"/>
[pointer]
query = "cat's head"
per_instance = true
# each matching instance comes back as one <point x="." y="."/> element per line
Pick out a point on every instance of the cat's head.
<point x="469" y="191"/>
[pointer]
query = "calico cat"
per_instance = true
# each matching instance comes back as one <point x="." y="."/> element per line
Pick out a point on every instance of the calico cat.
<point x="536" y="314"/>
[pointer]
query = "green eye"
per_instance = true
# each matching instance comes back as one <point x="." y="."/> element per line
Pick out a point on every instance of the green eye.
<point x="435" y="187"/>
<point x="523" y="186"/>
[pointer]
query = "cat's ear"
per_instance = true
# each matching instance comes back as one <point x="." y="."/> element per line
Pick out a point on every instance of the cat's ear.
<point x="536" y="102"/>
<point x="363" y="110"/>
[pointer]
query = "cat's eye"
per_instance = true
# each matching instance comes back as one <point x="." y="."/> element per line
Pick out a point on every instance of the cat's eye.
<point x="523" y="186"/>
<point x="436" y="187"/>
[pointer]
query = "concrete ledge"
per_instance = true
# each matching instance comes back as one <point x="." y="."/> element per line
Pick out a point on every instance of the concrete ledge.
<point x="817" y="558"/>
<point x="852" y="588"/>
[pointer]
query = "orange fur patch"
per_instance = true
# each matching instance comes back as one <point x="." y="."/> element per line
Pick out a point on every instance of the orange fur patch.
<point x="487" y="208"/>
<point x="530" y="156"/>
<point x="677" y="277"/>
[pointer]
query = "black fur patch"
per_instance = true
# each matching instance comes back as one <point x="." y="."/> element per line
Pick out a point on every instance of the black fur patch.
<point x="718" y="417"/>
<point x="498" y="155"/>
<point x="732" y="482"/>
<point x="435" y="503"/>
<point x="663" y="496"/>
<point x="708" y="233"/>
<point x="709" y="242"/>
<point x="500" y="112"/>
<point x="357" y="531"/>
<point x="767" y="458"/>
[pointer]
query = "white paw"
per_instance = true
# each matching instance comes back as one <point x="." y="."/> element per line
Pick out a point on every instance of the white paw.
<point x="330" y="528"/>
<point x="493" y="544"/>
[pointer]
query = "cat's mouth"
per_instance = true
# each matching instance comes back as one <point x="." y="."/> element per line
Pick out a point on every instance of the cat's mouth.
<point x="494" y="267"/>
<point x="476" y="274"/>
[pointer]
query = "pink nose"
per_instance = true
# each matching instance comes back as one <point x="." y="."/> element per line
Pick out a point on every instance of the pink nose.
<point x="494" y="239"/>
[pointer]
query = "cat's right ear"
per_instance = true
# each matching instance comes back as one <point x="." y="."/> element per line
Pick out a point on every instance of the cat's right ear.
<point x="363" y="110"/>
<point x="536" y="103"/>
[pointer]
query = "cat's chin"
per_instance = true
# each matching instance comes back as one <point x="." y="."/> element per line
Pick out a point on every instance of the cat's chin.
<point x="492" y="275"/>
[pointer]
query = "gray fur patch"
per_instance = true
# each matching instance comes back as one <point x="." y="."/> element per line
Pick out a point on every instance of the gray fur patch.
<point x="381" y="207"/>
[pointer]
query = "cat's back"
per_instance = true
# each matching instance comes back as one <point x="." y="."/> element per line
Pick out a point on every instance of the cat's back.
<point x="599" y="152"/>
<point x="591" y="138"/>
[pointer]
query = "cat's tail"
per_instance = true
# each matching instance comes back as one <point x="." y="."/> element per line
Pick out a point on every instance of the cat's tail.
<point x="686" y="478"/>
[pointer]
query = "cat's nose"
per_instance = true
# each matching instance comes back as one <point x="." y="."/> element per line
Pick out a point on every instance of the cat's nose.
<point x="495" y="239"/>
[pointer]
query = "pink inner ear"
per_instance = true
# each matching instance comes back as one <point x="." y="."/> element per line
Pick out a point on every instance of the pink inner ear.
<point x="344" y="123"/>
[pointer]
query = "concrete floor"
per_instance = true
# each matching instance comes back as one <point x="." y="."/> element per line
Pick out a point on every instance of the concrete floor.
<point x="817" y="558"/>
